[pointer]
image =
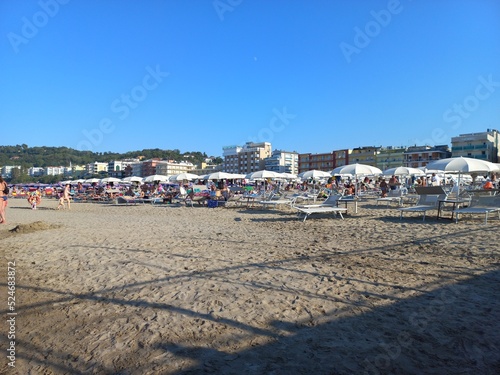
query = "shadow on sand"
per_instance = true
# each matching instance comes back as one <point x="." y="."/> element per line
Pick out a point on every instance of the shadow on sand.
<point x="454" y="329"/>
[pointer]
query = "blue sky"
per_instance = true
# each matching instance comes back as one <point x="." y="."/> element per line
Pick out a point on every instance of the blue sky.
<point x="307" y="76"/>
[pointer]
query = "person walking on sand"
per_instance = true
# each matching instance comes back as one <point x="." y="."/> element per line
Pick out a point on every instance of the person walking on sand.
<point x="4" y="195"/>
<point x="65" y="197"/>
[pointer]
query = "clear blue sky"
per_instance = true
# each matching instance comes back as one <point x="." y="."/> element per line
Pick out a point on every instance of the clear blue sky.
<point x="308" y="76"/>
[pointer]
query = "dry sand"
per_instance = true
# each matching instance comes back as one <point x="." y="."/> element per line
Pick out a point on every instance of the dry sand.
<point x="105" y="289"/>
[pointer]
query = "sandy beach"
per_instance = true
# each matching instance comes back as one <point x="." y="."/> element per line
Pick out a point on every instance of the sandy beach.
<point x="107" y="289"/>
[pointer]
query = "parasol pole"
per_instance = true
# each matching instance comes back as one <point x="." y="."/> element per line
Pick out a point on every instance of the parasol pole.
<point x="355" y="185"/>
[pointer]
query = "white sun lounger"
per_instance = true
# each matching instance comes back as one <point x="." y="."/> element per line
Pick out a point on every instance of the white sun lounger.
<point x="280" y="200"/>
<point x="429" y="198"/>
<point x="331" y="201"/>
<point x="321" y="210"/>
<point x="480" y="204"/>
<point x="392" y="196"/>
<point x="329" y="205"/>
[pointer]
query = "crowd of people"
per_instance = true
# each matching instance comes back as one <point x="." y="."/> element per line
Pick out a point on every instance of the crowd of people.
<point x="216" y="189"/>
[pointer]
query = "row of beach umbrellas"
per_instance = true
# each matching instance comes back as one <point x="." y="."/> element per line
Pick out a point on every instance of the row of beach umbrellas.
<point x="459" y="165"/>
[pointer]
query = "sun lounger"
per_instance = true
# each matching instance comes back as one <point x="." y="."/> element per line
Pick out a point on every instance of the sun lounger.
<point x="278" y="200"/>
<point x="392" y="196"/>
<point x="321" y="210"/>
<point x="251" y="199"/>
<point x="332" y="201"/>
<point x="429" y="198"/>
<point x="126" y="201"/>
<point x="328" y="206"/>
<point x="480" y="204"/>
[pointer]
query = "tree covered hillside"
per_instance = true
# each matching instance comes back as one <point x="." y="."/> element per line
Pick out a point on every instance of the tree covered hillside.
<point x="26" y="156"/>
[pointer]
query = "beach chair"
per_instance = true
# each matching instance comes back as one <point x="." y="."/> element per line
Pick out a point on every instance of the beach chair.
<point x="276" y="200"/>
<point x="127" y="201"/>
<point x="393" y="196"/>
<point x="480" y="204"/>
<point x="332" y="201"/>
<point x="251" y="199"/>
<point x="328" y="206"/>
<point x="428" y="199"/>
<point x="183" y="197"/>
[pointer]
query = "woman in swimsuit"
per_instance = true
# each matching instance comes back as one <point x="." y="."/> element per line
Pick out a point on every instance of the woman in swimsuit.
<point x="4" y="195"/>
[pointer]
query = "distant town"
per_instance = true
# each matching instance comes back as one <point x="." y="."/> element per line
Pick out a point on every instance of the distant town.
<point x="254" y="156"/>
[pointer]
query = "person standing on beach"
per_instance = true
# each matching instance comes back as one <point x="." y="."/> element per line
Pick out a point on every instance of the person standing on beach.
<point x="435" y="180"/>
<point x="65" y="197"/>
<point x="4" y="195"/>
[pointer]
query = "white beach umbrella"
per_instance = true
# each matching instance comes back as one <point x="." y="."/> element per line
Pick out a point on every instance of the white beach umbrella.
<point x="132" y="179"/>
<point x="219" y="176"/>
<point x="184" y="176"/>
<point x="92" y="180"/>
<point x="357" y="170"/>
<point x="314" y="173"/>
<point x="289" y="176"/>
<point x="429" y="171"/>
<point x="497" y="166"/>
<point x="404" y="171"/>
<point x="462" y="165"/>
<point x="262" y="174"/>
<point x="107" y="180"/>
<point x="238" y="176"/>
<point x="156" y="177"/>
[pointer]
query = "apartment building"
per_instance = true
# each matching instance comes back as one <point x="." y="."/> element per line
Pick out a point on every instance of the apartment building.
<point x="282" y="161"/>
<point x="246" y="159"/>
<point x="420" y="156"/>
<point x="364" y="155"/>
<point x="390" y="157"/>
<point x="322" y="162"/>
<point x="172" y="167"/>
<point x="484" y="145"/>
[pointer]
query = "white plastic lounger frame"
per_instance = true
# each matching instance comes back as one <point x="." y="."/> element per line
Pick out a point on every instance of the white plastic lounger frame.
<point x="429" y="198"/>
<point x="321" y="210"/>
<point x="329" y="205"/>
<point x="482" y="204"/>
